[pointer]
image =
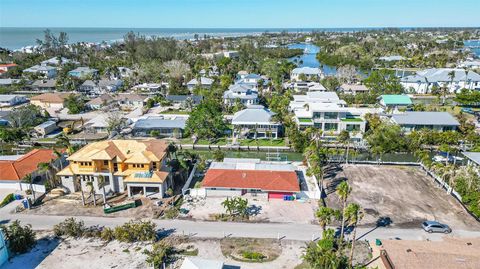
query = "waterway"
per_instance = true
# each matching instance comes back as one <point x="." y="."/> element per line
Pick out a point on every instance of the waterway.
<point x="309" y="58"/>
<point x="474" y="45"/>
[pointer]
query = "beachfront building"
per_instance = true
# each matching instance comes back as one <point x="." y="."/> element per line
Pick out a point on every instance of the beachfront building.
<point x="453" y="79"/>
<point x="83" y="72"/>
<point x="7" y="100"/>
<point x="43" y="71"/>
<point x="252" y="178"/>
<point x="417" y="120"/>
<point x="138" y="167"/>
<point x="255" y="122"/>
<point x="247" y="95"/>
<point x="306" y="74"/>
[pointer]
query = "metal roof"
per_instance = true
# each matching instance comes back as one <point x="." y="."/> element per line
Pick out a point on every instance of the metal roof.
<point x="473" y="156"/>
<point x="441" y="75"/>
<point x="159" y="122"/>
<point x="396" y="99"/>
<point x="253" y="115"/>
<point x="425" y="118"/>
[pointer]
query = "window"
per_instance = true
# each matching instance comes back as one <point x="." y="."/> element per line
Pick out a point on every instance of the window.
<point x="331" y="115"/>
<point x="331" y="126"/>
<point x="105" y="162"/>
<point x="316" y="115"/>
<point x="353" y="127"/>
<point x="154" y="165"/>
<point x="115" y="167"/>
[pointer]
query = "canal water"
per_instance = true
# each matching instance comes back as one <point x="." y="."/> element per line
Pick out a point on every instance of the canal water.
<point x="474" y="45"/>
<point x="309" y="58"/>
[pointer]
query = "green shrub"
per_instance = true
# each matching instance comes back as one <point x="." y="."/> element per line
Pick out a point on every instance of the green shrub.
<point x="20" y="239"/>
<point x="252" y="255"/>
<point x="171" y="213"/>
<point x="134" y="231"/>
<point x="161" y="252"/>
<point x="9" y="198"/>
<point x="69" y="227"/>
<point x="107" y="234"/>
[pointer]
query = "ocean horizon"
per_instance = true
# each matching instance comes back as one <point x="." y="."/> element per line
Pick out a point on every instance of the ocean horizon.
<point x="18" y="37"/>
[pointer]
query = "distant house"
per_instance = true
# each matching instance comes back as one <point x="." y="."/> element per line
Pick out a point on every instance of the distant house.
<point x="123" y="72"/>
<point x="99" y="124"/>
<point x="4" y="117"/>
<point x="7" y="100"/>
<point x="5" y="67"/>
<point x="150" y="87"/>
<point x="100" y="101"/>
<point x="9" y="81"/>
<point x="83" y="72"/>
<point x="251" y="80"/>
<point x="205" y="83"/>
<point x="393" y="58"/>
<point x="130" y="100"/>
<point x="453" y="79"/>
<point x="353" y="88"/>
<point x="182" y="99"/>
<point x="310" y="73"/>
<point x="472" y="64"/>
<point x="251" y="177"/>
<point x="255" y="122"/>
<point x="102" y="86"/>
<point x="395" y="101"/>
<point x="57" y="61"/>
<point x="44" y="85"/>
<point x="14" y="168"/>
<point x="302" y="86"/>
<point x="438" y="121"/>
<point x="164" y="126"/>
<point x="50" y="100"/>
<point x="44" y="71"/>
<point x="245" y="94"/>
<point x="45" y="128"/>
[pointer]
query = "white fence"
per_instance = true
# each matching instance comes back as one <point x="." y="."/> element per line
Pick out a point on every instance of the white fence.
<point x="201" y="192"/>
<point x="23" y="186"/>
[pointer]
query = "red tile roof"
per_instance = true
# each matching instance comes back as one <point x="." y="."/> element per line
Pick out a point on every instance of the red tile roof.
<point x="16" y="170"/>
<point x="8" y="65"/>
<point x="285" y="181"/>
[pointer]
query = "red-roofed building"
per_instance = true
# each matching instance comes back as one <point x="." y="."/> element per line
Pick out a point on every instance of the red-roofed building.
<point x="236" y="182"/>
<point x="5" y="67"/>
<point x="14" y="168"/>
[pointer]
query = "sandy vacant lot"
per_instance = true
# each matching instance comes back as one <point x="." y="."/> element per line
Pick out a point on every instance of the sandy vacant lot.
<point x="72" y="253"/>
<point x="275" y="210"/>
<point x="405" y="194"/>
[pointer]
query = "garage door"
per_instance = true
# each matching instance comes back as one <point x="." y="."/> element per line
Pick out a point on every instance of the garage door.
<point x="277" y="195"/>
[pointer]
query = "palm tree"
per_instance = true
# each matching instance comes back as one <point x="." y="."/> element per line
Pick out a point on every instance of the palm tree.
<point x="343" y="190"/>
<point x="355" y="214"/>
<point x="28" y="179"/>
<point x="59" y="156"/>
<point x="101" y="183"/>
<point x="325" y="216"/>
<point x="92" y="192"/>
<point x="172" y="150"/>
<point x="45" y="168"/>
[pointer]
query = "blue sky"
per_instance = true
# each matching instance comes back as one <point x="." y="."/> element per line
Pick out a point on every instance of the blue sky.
<point x="238" y="13"/>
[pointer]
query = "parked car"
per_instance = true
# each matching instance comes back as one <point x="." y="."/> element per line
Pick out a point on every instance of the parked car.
<point x="436" y="227"/>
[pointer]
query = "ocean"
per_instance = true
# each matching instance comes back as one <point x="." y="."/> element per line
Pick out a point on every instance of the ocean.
<point x="16" y="38"/>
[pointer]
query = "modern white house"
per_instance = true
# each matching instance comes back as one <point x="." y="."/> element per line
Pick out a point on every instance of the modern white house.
<point x="305" y="86"/>
<point x="453" y="79"/>
<point x="57" y="61"/>
<point x="310" y="73"/>
<point x="7" y="100"/>
<point x="44" y="71"/>
<point x="205" y="83"/>
<point x="417" y="120"/>
<point x="325" y="111"/>
<point x="244" y="93"/>
<point x="255" y="122"/>
<point x="353" y="88"/>
<point x="151" y="87"/>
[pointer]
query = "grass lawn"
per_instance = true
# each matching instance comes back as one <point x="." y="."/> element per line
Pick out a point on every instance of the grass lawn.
<point x="236" y="248"/>
<point x="221" y="141"/>
<point x="262" y="142"/>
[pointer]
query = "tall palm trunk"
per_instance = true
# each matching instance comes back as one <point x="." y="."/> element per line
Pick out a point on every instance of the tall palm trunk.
<point x="352" y="249"/>
<point x="33" y="192"/>
<point x="343" y="220"/>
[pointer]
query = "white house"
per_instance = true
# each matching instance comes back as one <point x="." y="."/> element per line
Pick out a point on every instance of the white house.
<point x="439" y="121"/>
<point x="310" y="73"/>
<point x="244" y="93"/>
<point x="44" y="71"/>
<point x="102" y="86"/>
<point x="255" y="122"/>
<point x="56" y="61"/>
<point x="205" y="83"/>
<point x="11" y="100"/>
<point x="454" y="79"/>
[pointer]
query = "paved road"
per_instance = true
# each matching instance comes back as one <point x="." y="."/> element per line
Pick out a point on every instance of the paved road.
<point x="292" y="231"/>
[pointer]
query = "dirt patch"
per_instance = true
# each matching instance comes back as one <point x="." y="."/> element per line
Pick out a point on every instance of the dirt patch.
<point x="261" y="210"/>
<point x="251" y="249"/>
<point x="404" y="194"/>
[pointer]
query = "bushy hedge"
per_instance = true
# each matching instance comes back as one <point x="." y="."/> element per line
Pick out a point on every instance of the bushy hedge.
<point x="131" y="231"/>
<point x="9" y="198"/>
<point x="252" y="255"/>
<point x="20" y="238"/>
